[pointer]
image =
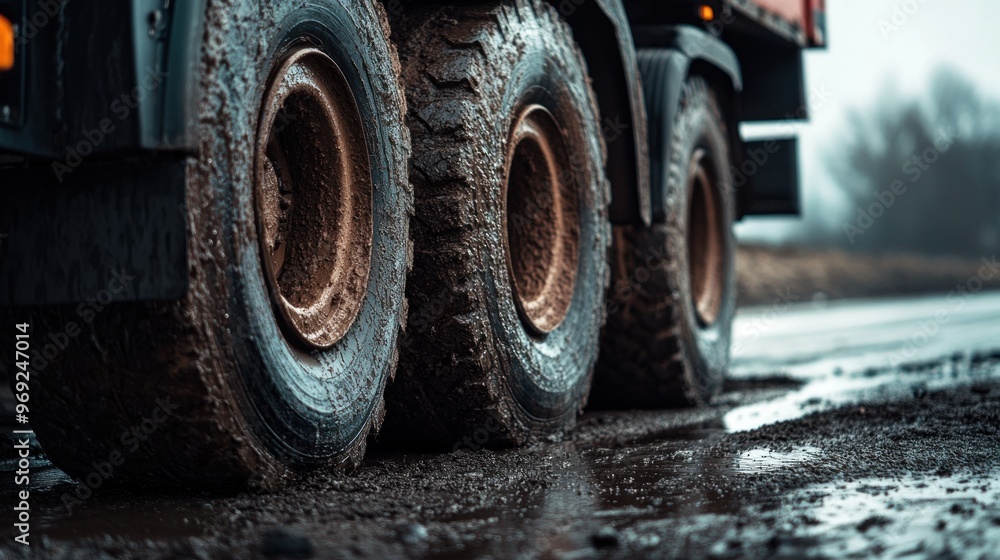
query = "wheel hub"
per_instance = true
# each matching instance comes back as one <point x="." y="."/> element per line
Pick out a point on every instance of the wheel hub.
<point x="313" y="193"/>
<point x="705" y="241"/>
<point x="541" y="220"/>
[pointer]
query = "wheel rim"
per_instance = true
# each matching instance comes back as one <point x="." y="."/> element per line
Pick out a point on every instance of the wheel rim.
<point x="541" y="221"/>
<point x="313" y="193"/>
<point x="705" y="241"/>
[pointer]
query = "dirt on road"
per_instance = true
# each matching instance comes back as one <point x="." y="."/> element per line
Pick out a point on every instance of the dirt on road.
<point x="833" y="274"/>
<point x="845" y="429"/>
<point x="914" y="475"/>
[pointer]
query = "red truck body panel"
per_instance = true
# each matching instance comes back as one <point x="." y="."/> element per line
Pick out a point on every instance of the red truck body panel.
<point x="805" y="16"/>
<point x="790" y="10"/>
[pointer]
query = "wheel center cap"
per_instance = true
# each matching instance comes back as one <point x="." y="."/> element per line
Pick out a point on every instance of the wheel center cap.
<point x="541" y="220"/>
<point x="313" y="194"/>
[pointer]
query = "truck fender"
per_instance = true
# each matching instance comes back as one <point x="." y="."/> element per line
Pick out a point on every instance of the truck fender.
<point x="666" y="56"/>
<point x="179" y="114"/>
<point x="602" y="31"/>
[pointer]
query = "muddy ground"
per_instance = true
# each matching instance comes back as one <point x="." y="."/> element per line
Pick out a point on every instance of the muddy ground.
<point x="832" y="274"/>
<point x="819" y="449"/>
<point x="917" y="475"/>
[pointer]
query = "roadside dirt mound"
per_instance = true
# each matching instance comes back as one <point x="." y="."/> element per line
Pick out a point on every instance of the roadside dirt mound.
<point x="765" y="273"/>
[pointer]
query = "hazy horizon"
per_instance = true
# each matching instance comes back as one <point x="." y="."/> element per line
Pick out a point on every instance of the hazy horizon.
<point x="877" y="48"/>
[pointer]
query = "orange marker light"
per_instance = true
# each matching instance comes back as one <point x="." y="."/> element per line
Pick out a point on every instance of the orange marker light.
<point x="6" y="44"/>
<point x="706" y="12"/>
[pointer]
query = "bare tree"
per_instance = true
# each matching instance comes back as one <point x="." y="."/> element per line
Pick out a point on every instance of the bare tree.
<point x="924" y="175"/>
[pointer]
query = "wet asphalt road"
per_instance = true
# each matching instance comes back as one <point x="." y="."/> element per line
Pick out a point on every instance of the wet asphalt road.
<point x="848" y="429"/>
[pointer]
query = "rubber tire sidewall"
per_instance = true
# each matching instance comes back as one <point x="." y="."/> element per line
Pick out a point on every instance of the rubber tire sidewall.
<point x="549" y="375"/>
<point x="470" y="364"/>
<point x="699" y="125"/>
<point x="165" y="386"/>
<point x="306" y="407"/>
<point x="655" y="353"/>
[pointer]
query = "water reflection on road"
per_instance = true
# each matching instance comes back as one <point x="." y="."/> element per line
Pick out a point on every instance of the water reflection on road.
<point x="849" y="352"/>
<point x="689" y="491"/>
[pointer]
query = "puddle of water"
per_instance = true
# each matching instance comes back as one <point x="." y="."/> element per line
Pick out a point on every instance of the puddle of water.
<point x="135" y="518"/>
<point x="904" y="516"/>
<point x="70" y="514"/>
<point x="646" y="481"/>
<point x="762" y="460"/>
<point x="831" y="391"/>
<point x="595" y="488"/>
<point x="669" y="486"/>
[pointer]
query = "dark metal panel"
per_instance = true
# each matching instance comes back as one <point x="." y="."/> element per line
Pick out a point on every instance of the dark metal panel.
<point x="63" y="242"/>
<point x="150" y="30"/>
<point x="99" y="105"/>
<point x="770" y="171"/>
<point x="664" y="69"/>
<point x="664" y="12"/>
<point x="601" y="30"/>
<point x="695" y="44"/>
<point x="167" y="38"/>
<point x="97" y="79"/>
<point x="775" y="82"/>
<point x="180" y="109"/>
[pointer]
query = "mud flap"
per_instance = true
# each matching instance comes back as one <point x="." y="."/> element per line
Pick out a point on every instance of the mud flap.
<point x="769" y="174"/>
<point x="114" y="231"/>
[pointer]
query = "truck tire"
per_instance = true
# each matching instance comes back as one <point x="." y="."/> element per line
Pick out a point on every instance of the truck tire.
<point x="510" y="233"/>
<point x="297" y="207"/>
<point x="672" y="300"/>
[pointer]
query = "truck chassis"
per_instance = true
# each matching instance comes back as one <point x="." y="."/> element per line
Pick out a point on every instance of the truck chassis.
<point x="510" y="207"/>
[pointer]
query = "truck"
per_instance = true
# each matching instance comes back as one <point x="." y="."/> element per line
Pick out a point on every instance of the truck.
<point x="241" y="238"/>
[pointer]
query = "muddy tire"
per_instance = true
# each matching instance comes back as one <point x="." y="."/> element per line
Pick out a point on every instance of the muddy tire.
<point x="510" y="231"/>
<point x="672" y="300"/>
<point x="239" y="384"/>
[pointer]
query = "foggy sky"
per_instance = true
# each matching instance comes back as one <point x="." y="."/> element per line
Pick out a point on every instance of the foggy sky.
<point x="874" y="49"/>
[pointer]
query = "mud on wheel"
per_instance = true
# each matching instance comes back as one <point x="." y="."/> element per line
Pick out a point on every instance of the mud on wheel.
<point x="511" y="233"/>
<point x="672" y="299"/>
<point x="297" y="207"/>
